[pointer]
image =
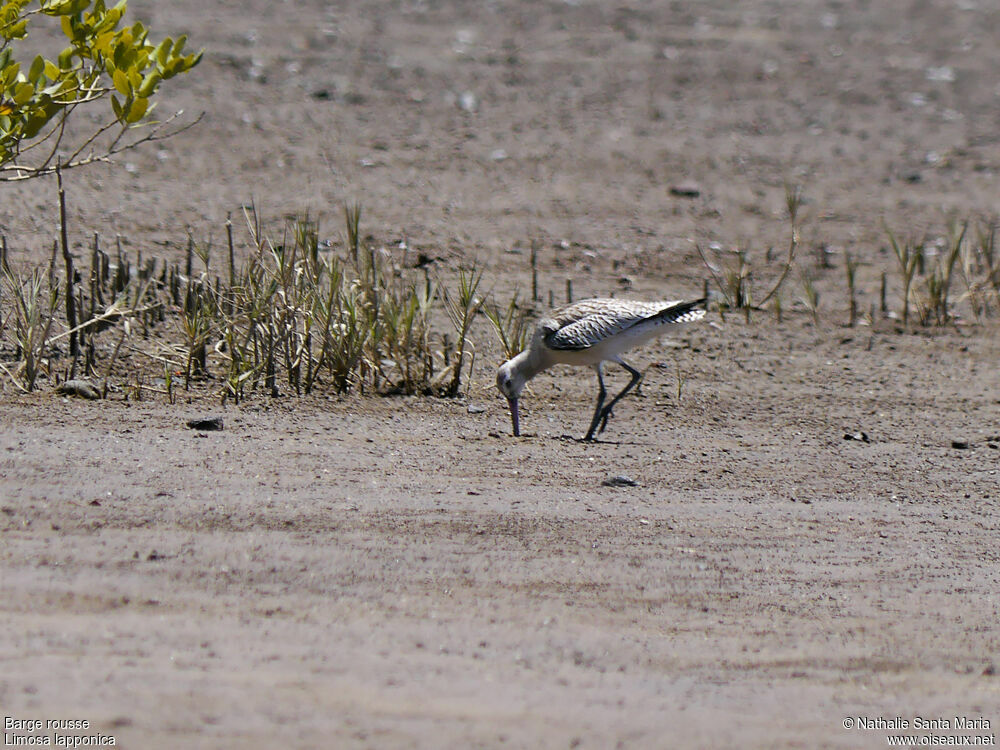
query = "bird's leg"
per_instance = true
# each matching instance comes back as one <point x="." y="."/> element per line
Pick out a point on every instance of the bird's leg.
<point x="601" y="394"/>
<point x="636" y="377"/>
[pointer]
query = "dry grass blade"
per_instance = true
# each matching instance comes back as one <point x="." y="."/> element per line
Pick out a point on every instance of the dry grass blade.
<point x="462" y="306"/>
<point x="909" y="255"/>
<point x="793" y="202"/>
<point x="938" y="282"/>
<point x="511" y="325"/>
<point x="35" y="300"/>
<point x="735" y="279"/>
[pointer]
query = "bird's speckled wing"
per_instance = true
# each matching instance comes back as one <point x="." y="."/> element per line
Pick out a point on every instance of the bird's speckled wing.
<point x="588" y="322"/>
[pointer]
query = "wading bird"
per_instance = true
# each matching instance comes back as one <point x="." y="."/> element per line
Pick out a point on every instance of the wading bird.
<point x="592" y="332"/>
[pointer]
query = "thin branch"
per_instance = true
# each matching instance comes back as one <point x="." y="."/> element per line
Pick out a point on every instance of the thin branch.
<point x="61" y="129"/>
<point x="156" y="357"/>
<point x="18" y="172"/>
<point x="101" y="131"/>
<point x="112" y="312"/>
<point x="68" y="106"/>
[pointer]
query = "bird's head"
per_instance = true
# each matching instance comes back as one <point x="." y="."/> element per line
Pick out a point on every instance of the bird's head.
<point x="510" y="382"/>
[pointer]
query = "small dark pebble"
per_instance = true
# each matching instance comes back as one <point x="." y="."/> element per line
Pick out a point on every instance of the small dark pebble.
<point x="209" y="423"/>
<point x="859" y="436"/>
<point x="960" y="444"/>
<point x="990" y="670"/>
<point x="685" y="190"/>
<point x="620" y="480"/>
<point x="81" y="388"/>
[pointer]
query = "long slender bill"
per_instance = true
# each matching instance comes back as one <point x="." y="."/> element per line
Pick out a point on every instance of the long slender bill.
<point x="512" y="402"/>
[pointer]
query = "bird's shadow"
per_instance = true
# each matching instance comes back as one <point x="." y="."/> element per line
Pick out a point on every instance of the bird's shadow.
<point x="565" y="438"/>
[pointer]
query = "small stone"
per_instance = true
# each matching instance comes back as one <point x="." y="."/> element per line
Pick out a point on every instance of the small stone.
<point x="685" y="190"/>
<point x="81" y="388"/>
<point x="468" y="101"/>
<point x="943" y="74"/>
<point x="620" y="480"/>
<point x="476" y="409"/>
<point x="205" y="424"/>
<point x="859" y="436"/>
<point x="960" y="444"/>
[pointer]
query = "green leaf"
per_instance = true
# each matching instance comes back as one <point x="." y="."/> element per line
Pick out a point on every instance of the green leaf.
<point x="124" y="56"/>
<point x="116" y="107"/>
<point x="163" y="50"/>
<point x="102" y="44"/>
<point x="149" y="84"/>
<point x="37" y="69"/>
<point x="137" y="111"/>
<point x="34" y="124"/>
<point x="18" y="30"/>
<point x="110" y="20"/>
<point x="9" y="74"/>
<point x="23" y="93"/>
<point x="56" y="88"/>
<point x="120" y="80"/>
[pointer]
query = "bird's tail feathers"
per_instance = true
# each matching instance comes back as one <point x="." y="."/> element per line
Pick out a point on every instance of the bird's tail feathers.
<point x="684" y="312"/>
